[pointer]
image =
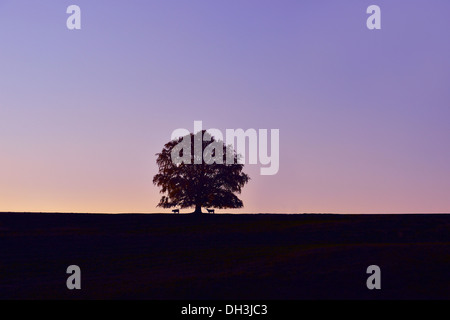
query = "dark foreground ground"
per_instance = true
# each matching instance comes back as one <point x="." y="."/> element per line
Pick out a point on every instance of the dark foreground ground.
<point x="224" y="256"/>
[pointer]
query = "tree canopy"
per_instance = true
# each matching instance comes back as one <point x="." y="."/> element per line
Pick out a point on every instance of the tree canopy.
<point x="204" y="178"/>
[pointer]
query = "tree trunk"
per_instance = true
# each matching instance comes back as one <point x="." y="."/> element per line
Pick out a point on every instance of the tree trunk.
<point x="198" y="209"/>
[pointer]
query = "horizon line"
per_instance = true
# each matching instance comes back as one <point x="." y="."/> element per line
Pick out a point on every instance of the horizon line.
<point x="224" y="213"/>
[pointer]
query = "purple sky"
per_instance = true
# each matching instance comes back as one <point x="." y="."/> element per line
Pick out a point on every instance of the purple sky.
<point x="363" y="115"/>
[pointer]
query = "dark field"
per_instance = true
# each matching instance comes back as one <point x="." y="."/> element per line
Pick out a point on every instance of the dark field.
<point x="224" y="256"/>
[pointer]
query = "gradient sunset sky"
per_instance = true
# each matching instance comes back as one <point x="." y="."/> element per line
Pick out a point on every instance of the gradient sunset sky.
<point x="364" y="116"/>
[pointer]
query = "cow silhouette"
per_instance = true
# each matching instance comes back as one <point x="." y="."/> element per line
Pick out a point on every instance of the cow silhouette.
<point x="210" y="210"/>
<point x="176" y="211"/>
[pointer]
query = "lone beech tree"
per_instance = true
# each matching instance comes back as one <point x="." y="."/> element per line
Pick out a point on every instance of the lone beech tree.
<point x="199" y="171"/>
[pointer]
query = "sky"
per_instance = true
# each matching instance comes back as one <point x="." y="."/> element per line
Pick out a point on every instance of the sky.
<point x="363" y="114"/>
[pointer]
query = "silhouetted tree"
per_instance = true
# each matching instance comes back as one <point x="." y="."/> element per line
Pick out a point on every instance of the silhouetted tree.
<point x="199" y="184"/>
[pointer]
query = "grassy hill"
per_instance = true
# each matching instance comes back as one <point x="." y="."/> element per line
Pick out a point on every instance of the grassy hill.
<point x="224" y="256"/>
